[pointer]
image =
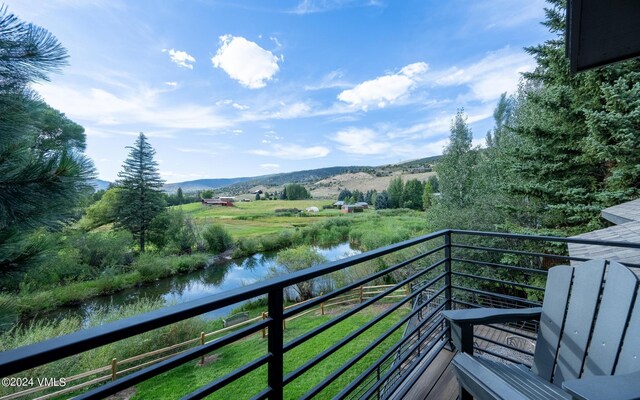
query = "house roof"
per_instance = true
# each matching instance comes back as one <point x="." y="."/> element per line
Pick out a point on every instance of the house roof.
<point x="622" y="213"/>
<point x="627" y="232"/>
<point x="626" y="216"/>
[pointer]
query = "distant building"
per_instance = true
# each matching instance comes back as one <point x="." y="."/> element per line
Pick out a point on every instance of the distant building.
<point x="338" y="204"/>
<point x="363" y="204"/>
<point x="351" y="208"/>
<point x="221" y="201"/>
<point x="257" y="192"/>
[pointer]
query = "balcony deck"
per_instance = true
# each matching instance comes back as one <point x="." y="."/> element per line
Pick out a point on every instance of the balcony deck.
<point x="437" y="381"/>
<point x="448" y="269"/>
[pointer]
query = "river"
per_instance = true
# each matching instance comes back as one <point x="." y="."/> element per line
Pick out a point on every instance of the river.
<point x="215" y="278"/>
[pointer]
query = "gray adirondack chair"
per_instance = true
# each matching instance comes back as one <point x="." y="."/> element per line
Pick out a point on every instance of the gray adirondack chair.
<point x="588" y="344"/>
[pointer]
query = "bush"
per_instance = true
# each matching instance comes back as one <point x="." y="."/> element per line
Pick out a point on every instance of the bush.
<point x="217" y="239"/>
<point x="104" y="249"/>
<point x="173" y="231"/>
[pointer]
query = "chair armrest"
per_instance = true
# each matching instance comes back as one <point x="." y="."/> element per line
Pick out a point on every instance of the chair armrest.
<point x="619" y="387"/>
<point x="481" y="316"/>
<point x="462" y="322"/>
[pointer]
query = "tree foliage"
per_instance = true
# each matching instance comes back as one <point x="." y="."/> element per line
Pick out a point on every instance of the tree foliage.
<point x="43" y="173"/>
<point x="412" y="194"/>
<point x="295" y="191"/>
<point x="395" y="192"/>
<point x="140" y="197"/>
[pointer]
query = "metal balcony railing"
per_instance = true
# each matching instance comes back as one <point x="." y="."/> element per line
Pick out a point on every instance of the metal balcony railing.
<point x="442" y="270"/>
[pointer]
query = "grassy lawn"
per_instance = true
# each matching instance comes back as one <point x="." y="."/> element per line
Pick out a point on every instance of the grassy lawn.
<point x="259" y="218"/>
<point x="190" y="376"/>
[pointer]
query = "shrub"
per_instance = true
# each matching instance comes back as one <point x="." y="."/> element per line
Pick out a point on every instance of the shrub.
<point x="104" y="249"/>
<point x="173" y="231"/>
<point x="217" y="238"/>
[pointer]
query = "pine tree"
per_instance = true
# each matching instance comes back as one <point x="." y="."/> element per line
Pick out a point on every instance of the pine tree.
<point x="141" y="198"/>
<point x="180" y="196"/>
<point x="395" y="191"/>
<point x="576" y="146"/>
<point x="382" y="200"/>
<point x="43" y="173"/>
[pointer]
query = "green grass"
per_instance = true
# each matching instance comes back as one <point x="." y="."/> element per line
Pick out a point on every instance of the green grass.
<point x="191" y="376"/>
<point x="258" y="218"/>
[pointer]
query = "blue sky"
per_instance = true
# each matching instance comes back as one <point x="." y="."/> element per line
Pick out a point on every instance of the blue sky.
<point x="243" y="88"/>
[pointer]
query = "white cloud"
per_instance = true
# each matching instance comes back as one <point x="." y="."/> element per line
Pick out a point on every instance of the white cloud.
<point x="182" y="58"/>
<point x="333" y="79"/>
<point x="172" y="84"/>
<point x="498" y="72"/>
<point x="360" y="141"/>
<point x="293" y="152"/>
<point x="99" y="108"/>
<point x="317" y="6"/>
<point x="245" y="61"/>
<point x="385" y="89"/>
<point x="238" y="106"/>
<point x="270" y="167"/>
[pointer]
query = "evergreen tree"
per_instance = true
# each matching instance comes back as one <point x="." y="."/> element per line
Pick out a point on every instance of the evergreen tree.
<point x="180" y="196"/>
<point x="368" y="197"/>
<point x="257" y="195"/>
<point x="283" y="194"/>
<point x="412" y="194"/>
<point x="140" y="198"/>
<point x="576" y="146"/>
<point x="395" y="191"/>
<point x="382" y="200"/>
<point x="295" y="191"/>
<point x="344" y="195"/>
<point x="43" y="173"/>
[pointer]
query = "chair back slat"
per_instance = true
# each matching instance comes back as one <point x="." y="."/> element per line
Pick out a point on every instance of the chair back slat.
<point x="629" y="358"/>
<point x="580" y="315"/>
<point x="551" y="320"/>
<point x="613" y="313"/>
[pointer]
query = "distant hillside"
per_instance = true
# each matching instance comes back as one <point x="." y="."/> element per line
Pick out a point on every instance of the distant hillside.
<point x="99" y="184"/>
<point x="313" y="178"/>
<point x="202" y="184"/>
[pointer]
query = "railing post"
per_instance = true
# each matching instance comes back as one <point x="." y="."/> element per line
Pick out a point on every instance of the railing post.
<point x="264" y="330"/>
<point x="114" y="369"/>
<point x="275" y="343"/>
<point x="447" y="279"/>
<point x="202" y="339"/>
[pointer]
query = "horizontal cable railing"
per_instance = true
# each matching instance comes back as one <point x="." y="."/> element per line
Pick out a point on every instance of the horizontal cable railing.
<point x="400" y="302"/>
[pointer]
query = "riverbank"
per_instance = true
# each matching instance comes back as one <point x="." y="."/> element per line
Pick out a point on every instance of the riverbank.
<point x="365" y="231"/>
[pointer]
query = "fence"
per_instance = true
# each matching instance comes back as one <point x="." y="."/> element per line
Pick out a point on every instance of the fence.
<point x="442" y="270"/>
<point x="114" y="369"/>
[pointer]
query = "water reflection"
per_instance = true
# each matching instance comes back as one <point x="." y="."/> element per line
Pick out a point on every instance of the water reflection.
<point x="213" y="279"/>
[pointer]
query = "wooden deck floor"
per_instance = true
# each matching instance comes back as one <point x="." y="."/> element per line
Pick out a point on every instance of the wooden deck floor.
<point x="438" y="381"/>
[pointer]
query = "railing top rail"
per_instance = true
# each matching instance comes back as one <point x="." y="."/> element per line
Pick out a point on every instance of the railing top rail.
<point x="547" y="238"/>
<point x="36" y="354"/>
